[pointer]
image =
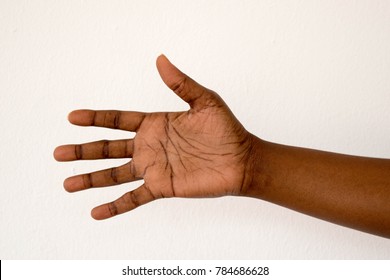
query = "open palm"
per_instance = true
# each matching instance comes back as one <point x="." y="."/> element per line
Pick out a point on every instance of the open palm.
<point x="202" y="152"/>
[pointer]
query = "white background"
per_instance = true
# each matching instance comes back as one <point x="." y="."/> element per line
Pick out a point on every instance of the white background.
<point x="303" y="73"/>
<point x="198" y="269"/>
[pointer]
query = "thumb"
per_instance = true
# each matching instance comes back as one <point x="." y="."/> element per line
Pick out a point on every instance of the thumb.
<point x="186" y="88"/>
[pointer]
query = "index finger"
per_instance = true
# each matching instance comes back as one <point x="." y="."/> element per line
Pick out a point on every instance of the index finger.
<point x="114" y="119"/>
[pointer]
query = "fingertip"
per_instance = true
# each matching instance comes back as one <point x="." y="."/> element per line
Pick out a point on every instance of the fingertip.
<point x="160" y="58"/>
<point x="100" y="213"/>
<point x="81" y="117"/>
<point x="162" y="62"/>
<point x="64" y="153"/>
<point x="169" y="73"/>
<point x="71" y="116"/>
<point x="57" y="153"/>
<point x="94" y="215"/>
<point x="185" y="87"/>
<point x="72" y="184"/>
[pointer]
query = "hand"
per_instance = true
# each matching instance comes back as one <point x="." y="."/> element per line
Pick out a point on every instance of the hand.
<point x="203" y="152"/>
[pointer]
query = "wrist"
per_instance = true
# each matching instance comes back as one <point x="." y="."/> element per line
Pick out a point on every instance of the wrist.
<point x="258" y="178"/>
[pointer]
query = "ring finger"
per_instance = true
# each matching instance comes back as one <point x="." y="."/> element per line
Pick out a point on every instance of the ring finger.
<point x="102" y="178"/>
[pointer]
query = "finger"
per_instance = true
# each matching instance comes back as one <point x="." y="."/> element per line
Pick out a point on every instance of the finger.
<point x="95" y="150"/>
<point x="129" y="121"/>
<point x="127" y="202"/>
<point x="186" y="88"/>
<point x="102" y="178"/>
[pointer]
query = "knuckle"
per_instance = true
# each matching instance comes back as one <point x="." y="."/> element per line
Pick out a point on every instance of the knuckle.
<point x="131" y="199"/>
<point x="179" y="87"/>
<point x="93" y="118"/>
<point x="127" y="148"/>
<point x="113" y="175"/>
<point x="87" y="181"/>
<point x="150" y="192"/>
<point x="116" y="121"/>
<point x="113" y="209"/>
<point x="78" y="150"/>
<point x="106" y="149"/>
<point x="112" y="119"/>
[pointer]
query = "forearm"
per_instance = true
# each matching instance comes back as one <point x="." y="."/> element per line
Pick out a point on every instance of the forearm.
<point x="347" y="190"/>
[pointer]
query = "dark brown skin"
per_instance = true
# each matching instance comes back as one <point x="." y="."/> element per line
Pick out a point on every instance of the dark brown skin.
<point x="206" y="152"/>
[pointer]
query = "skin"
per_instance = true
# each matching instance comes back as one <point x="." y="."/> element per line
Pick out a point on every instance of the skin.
<point x="206" y="152"/>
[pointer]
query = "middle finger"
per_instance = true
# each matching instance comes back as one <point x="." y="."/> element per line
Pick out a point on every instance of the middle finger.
<point x="95" y="150"/>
